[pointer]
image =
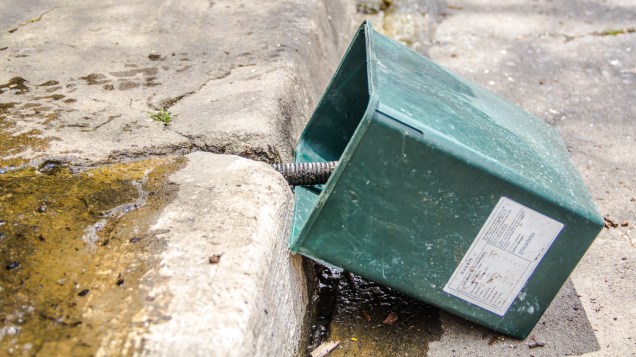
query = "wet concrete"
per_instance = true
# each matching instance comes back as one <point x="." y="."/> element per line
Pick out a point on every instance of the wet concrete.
<point x="373" y="320"/>
<point x="74" y="249"/>
<point x="368" y="319"/>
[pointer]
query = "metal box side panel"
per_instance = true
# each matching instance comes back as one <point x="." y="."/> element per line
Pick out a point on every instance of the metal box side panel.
<point x="404" y="211"/>
<point x="424" y="95"/>
<point x="424" y="157"/>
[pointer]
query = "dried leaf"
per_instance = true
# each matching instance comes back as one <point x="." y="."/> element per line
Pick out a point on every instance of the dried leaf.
<point x="214" y="259"/>
<point x="366" y="315"/>
<point x="391" y="318"/>
<point x="609" y="222"/>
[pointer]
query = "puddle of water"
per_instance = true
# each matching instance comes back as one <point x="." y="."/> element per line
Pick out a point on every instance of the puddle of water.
<point x="60" y="293"/>
<point x="369" y="319"/>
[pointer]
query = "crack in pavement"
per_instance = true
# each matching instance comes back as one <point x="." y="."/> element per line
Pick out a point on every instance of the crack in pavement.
<point x="604" y="33"/>
<point x="170" y="102"/>
<point x="567" y="37"/>
<point x="35" y="19"/>
<point x="224" y="146"/>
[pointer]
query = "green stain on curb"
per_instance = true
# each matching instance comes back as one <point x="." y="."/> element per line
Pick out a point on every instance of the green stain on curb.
<point x="75" y="248"/>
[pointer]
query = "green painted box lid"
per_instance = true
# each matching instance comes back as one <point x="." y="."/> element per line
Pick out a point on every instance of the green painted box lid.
<point x="444" y="190"/>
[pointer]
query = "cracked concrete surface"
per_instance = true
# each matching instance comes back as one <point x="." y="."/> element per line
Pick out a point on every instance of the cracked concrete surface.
<point x="79" y="80"/>
<point x="235" y="78"/>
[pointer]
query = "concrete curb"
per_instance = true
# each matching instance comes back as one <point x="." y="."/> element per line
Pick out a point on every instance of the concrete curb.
<point x="251" y="301"/>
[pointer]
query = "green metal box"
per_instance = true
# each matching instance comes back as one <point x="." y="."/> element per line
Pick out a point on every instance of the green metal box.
<point x="444" y="191"/>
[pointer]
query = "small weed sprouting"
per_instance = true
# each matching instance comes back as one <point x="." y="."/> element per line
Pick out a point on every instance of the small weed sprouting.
<point x="616" y="32"/>
<point x="162" y="116"/>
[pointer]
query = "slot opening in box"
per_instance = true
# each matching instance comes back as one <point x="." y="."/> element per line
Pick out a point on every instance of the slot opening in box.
<point x="336" y="118"/>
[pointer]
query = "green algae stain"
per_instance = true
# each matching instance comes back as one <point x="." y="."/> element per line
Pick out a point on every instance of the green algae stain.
<point x="23" y="117"/>
<point x="11" y="143"/>
<point x="17" y="85"/>
<point x="95" y="78"/>
<point x="49" y="83"/>
<point x="74" y="250"/>
<point x="52" y="96"/>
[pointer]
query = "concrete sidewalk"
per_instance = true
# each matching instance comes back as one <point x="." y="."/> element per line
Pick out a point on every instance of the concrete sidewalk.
<point x="189" y="255"/>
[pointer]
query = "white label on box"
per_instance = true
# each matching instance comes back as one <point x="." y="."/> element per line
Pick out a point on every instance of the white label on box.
<point x="504" y="254"/>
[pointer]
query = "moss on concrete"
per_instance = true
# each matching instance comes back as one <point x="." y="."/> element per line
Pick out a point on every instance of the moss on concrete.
<point x="75" y="247"/>
<point x="12" y="143"/>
